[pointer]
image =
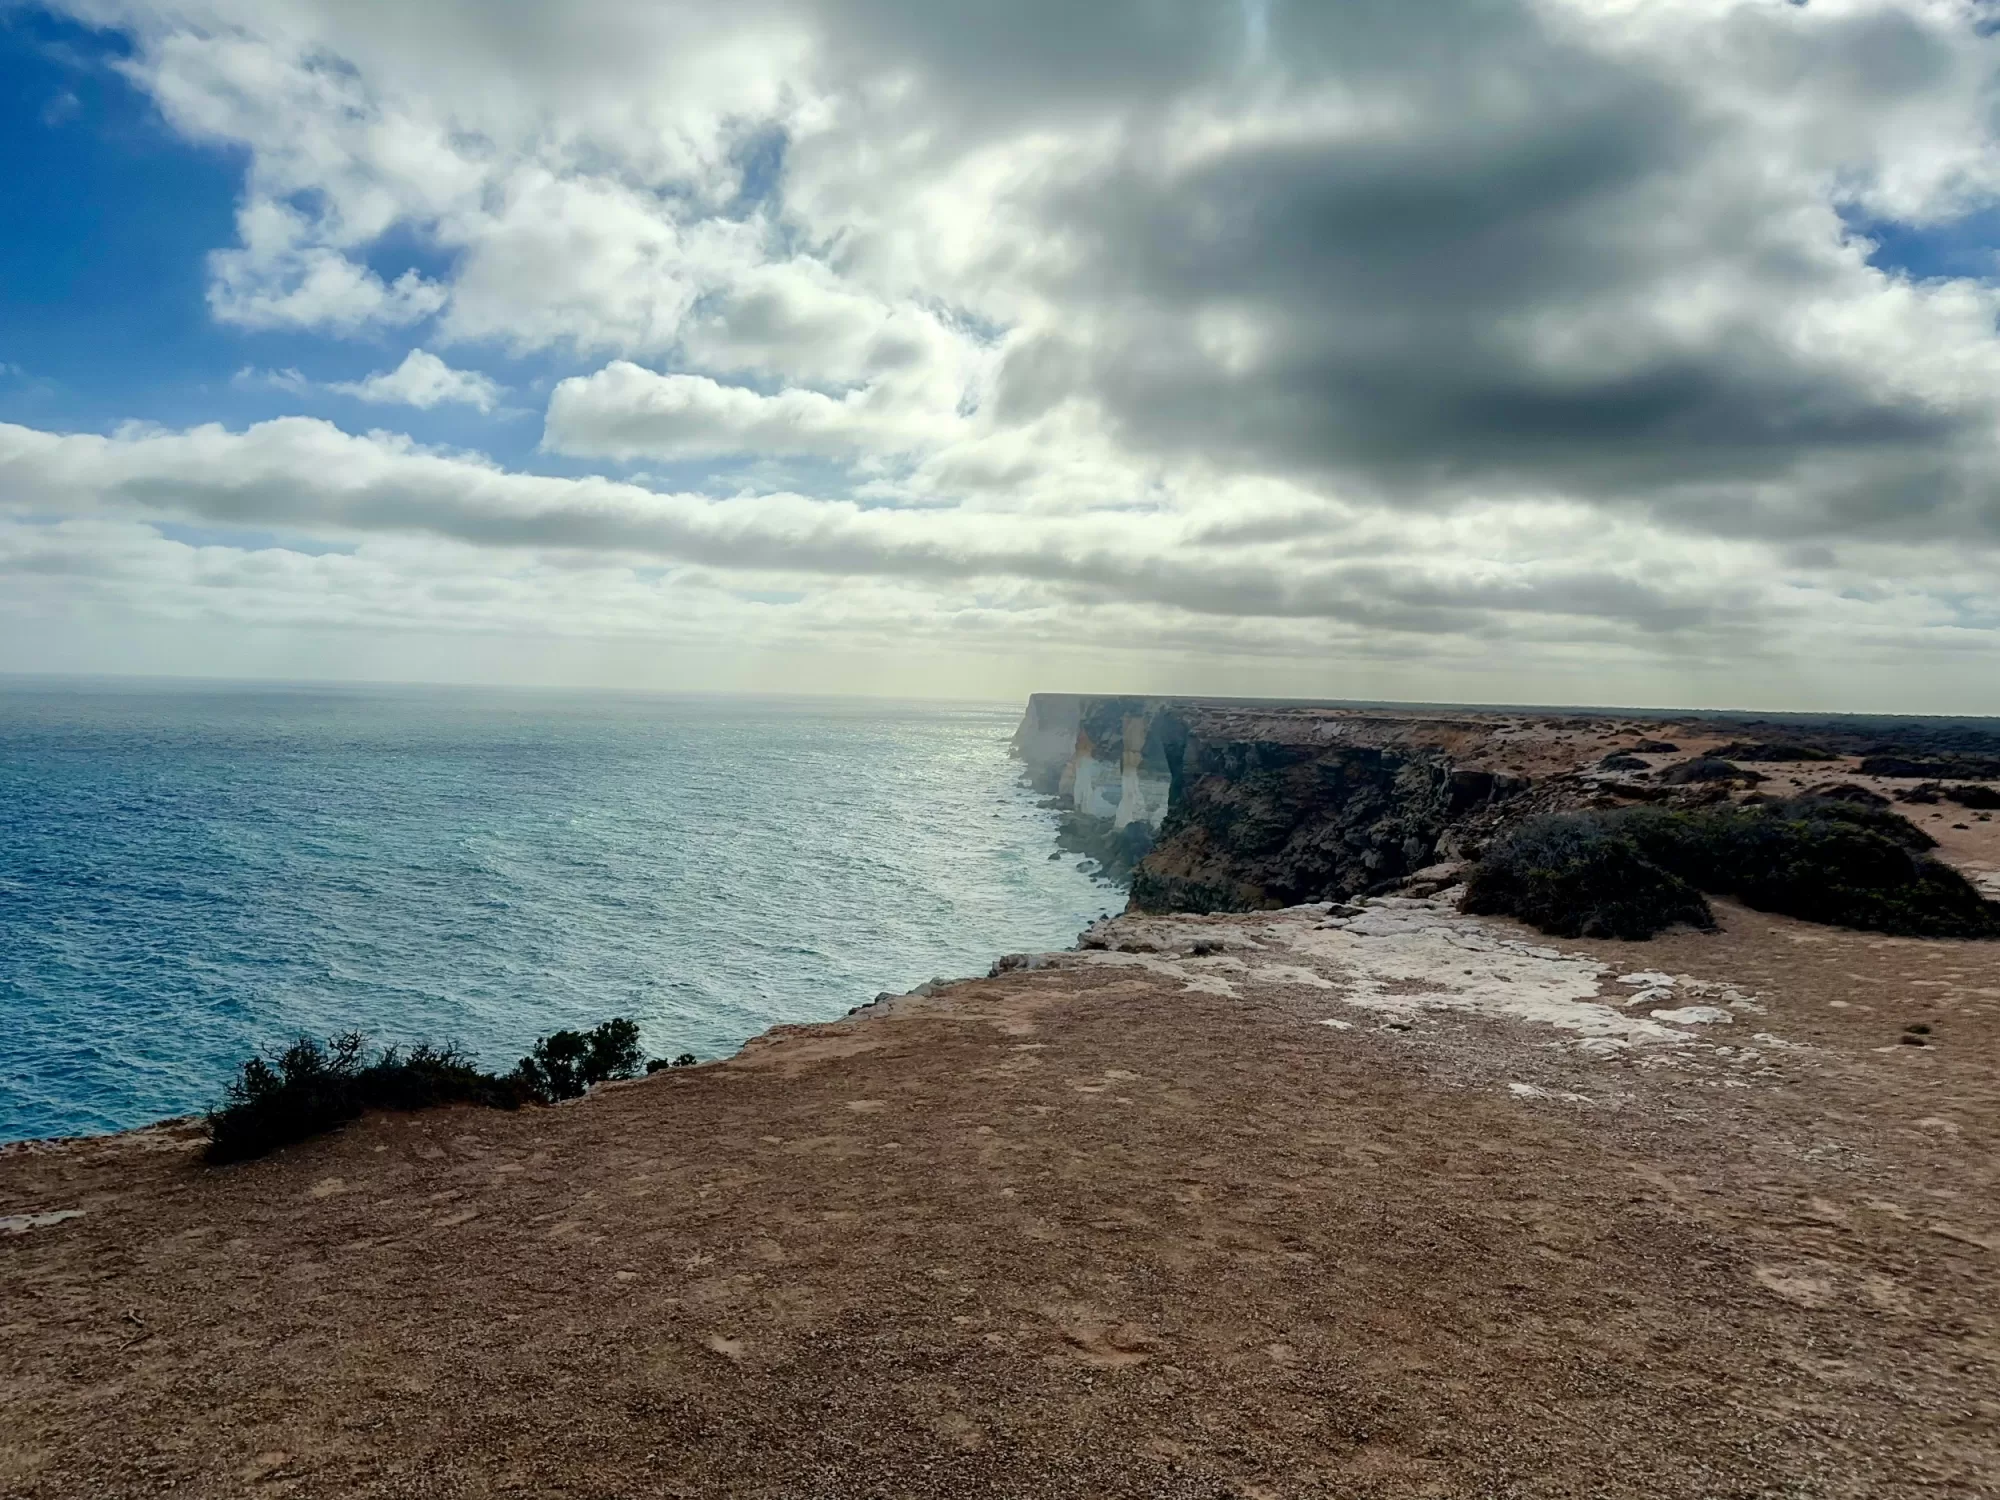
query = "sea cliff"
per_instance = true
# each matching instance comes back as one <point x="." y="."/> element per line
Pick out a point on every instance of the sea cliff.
<point x="1222" y="805"/>
<point x="1216" y="804"/>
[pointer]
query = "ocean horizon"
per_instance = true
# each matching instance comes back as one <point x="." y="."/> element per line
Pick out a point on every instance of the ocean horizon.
<point x="194" y="871"/>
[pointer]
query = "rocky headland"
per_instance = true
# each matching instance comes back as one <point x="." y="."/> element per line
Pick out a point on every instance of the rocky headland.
<point x="1292" y="1180"/>
<point x="1238" y="805"/>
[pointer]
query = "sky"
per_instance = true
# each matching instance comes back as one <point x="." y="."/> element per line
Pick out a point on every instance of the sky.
<point x="1556" y="351"/>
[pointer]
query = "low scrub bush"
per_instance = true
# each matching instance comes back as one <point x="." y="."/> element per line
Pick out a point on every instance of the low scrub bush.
<point x="1706" y="768"/>
<point x="565" y="1064"/>
<point x="1896" y="765"/>
<point x="1627" y="873"/>
<point x="1847" y="791"/>
<point x="1579" y="875"/>
<point x="311" y="1087"/>
<point x="1771" y="750"/>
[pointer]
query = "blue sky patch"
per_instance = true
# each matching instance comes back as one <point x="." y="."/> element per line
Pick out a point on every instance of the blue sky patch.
<point x="1963" y="247"/>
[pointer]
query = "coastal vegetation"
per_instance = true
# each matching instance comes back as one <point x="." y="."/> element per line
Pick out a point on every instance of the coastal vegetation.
<point x="565" y="1065"/>
<point x="311" y="1087"/>
<point x="1772" y="750"/>
<point x="1705" y="768"/>
<point x="1634" y="872"/>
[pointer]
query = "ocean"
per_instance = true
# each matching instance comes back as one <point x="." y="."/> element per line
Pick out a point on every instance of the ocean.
<point x="191" y="873"/>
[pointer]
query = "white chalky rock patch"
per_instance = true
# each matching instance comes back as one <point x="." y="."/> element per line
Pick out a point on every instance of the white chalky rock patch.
<point x="1291" y="974"/>
<point x="1648" y="979"/>
<point x="1198" y="981"/>
<point x="22" y="1223"/>
<point x="1695" y="1015"/>
<point x="1397" y="957"/>
<point x="1465" y="966"/>
<point x="1536" y="1091"/>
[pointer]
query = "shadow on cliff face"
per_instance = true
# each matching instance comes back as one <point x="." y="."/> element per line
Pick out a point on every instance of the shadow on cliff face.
<point x="1257" y="824"/>
<point x="1636" y="872"/>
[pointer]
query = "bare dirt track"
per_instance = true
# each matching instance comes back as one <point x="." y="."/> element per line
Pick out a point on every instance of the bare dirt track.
<point x="1082" y="1231"/>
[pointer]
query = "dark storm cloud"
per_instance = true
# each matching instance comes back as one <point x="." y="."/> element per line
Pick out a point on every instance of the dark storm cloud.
<point x="1404" y="292"/>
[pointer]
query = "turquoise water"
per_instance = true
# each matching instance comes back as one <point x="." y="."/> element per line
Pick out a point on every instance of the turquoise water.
<point x="191" y="873"/>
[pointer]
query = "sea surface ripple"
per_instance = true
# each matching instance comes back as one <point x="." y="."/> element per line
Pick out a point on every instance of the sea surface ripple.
<point x="189" y="874"/>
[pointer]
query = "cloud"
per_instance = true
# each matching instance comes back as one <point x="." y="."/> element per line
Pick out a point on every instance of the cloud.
<point x="278" y="279"/>
<point x="304" y="475"/>
<point x="1565" y="322"/>
<point x="290" y="379"/>
<point x="1513" y="600"/>
<point x="625" y="412"/>
<point x="423" y="380"/>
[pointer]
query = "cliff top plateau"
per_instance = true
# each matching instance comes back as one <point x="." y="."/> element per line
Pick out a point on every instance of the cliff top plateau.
<point x="1367" y="1198"/>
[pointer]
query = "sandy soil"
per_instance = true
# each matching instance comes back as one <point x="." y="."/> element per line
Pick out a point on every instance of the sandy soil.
<point x="1252" y="1206"/>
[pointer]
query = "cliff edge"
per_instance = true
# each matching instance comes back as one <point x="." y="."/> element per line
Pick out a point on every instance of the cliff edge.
<point x="1399" y="1204"/>
<point x="1214" y="805"/>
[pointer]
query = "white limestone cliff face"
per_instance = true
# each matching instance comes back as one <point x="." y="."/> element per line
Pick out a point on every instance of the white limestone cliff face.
<point x="1099" y="756"/>
<point x="1046" y="738"/>
<point x="1116" y="784"/>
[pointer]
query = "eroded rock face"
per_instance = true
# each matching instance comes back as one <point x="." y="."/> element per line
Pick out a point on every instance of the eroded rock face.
<point x="1260" y="824"/>
<point x="1217" y="806"/>
<point x="1108" y="761"/>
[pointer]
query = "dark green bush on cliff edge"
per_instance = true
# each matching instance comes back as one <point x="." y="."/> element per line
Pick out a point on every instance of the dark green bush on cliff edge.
<point x="1579" y="875"/>
<point x="312" y="1087"/>
<point x="567" y="1063"/>
<point x="1631" y="873"/>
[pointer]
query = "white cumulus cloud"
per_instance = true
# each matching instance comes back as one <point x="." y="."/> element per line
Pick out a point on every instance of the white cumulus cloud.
<point x="423" y="380"/>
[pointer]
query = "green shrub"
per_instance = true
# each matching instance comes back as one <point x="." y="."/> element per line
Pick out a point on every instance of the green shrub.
<point x="1706" y="768"/>
<point x="1837" y="863"/>
<point x="310" y="1088"/>
<point x="1847" y="791"/>
<point x="1623" y="873"/>
<point x="564" y="1064"/>
<point x="1771" y="751"/>
<point x="1576" y="875"/>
